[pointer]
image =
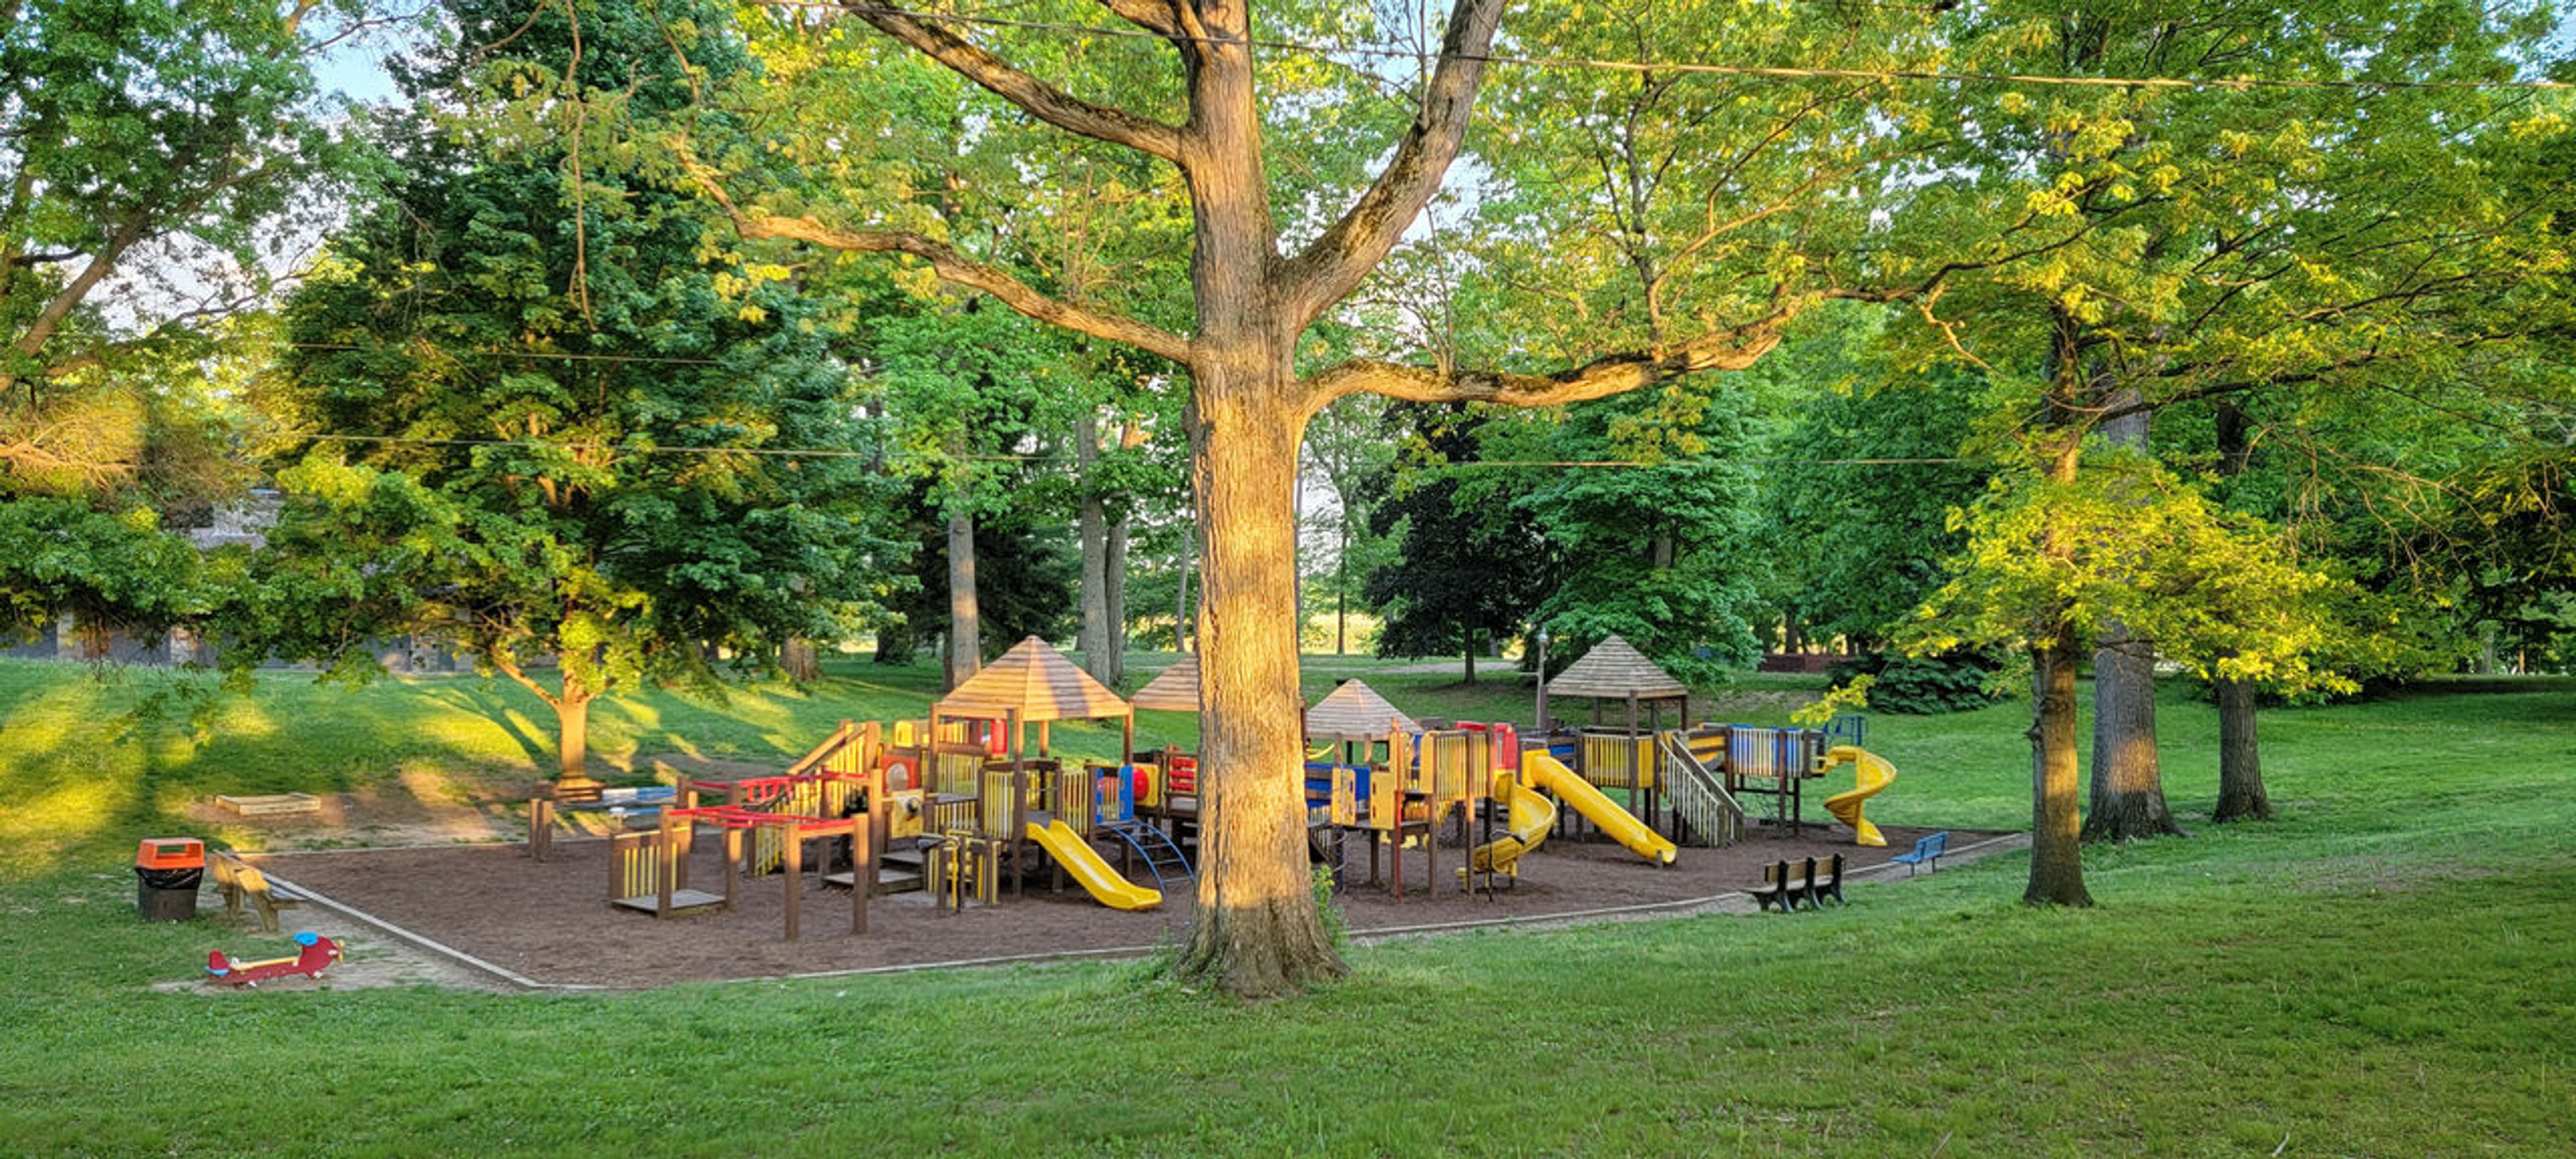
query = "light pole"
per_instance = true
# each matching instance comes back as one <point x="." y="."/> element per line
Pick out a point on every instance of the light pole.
<point x="1542" y="680"/>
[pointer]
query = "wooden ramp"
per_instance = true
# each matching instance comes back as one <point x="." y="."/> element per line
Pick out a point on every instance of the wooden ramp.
<point x="681" y="899"/>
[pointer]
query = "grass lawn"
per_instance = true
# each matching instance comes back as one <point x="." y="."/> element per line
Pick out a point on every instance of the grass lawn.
<point x="2390" y="970"/>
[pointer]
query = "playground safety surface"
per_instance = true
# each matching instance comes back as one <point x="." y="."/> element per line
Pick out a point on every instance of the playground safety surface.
<point x="550" y="924"/>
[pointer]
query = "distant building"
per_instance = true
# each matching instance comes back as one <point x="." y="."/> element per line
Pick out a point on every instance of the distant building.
<point x="242" y="524"/>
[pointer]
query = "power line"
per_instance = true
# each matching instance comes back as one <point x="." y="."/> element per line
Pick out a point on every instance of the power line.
<point x="850" y="453"/>
<point x="1750" y="461"/>
<point x="1766" y="72"/>
<point x="545" y="355"/>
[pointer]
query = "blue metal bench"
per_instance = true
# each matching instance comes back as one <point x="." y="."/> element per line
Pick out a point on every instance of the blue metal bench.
<point x="1927" y="852"/>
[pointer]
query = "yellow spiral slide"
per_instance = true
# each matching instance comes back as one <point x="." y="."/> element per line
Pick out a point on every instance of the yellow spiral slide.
<point x="1870" y="774"/>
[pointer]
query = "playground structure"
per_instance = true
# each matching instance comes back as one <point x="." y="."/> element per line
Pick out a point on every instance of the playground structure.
<point x="968" y="805"/>
<point x="960" y="803"/>
<point x="317" y="953"/>
<point x="1695" y="782"/>
<point x="1376" y="774"/>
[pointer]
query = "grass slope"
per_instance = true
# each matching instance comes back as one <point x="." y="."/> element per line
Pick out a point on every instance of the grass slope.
<point x="2389" y="970"/>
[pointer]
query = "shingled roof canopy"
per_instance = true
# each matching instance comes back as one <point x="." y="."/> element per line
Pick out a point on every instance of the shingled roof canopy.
<point x="1174" y="689"/>
<point x="1355" y="712"/>
<point x="1614" y="670"/>
<point x="1035" y="682"/>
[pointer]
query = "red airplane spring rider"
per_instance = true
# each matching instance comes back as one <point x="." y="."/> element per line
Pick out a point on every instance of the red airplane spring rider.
<point x="319" y="953"/>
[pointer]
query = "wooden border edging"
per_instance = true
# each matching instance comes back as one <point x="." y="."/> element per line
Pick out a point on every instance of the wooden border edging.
<point x="1965" y="854"/>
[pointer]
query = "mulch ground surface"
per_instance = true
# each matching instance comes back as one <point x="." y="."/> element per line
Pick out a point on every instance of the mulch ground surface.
<point x="551" y="922"/>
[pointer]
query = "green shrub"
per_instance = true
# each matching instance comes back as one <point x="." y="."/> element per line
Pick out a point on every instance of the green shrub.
<point x="1923" y="685"/>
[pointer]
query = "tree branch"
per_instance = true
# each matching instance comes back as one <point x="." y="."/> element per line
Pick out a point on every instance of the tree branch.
<point x="952" y="267"/>
<point x="1733" y="348"/>
<point x="1155" y="16"/>
<point x="1330" y="266"/>
<point x="1041" y="100"/>
<point x="510" y="668"/>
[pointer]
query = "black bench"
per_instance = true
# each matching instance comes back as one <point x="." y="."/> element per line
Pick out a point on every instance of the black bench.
<point x="1784" y="887"/>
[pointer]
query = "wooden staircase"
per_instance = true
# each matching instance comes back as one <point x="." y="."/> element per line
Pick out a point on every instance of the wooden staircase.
<point x="1709" y="814"/>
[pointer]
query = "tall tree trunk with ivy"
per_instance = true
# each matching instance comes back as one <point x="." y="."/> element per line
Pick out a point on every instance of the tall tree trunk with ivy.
<point x="2241" y="795"/>
<point x="1091" y="526"/>
<point x="2056" y="846"/>
<point x="2128" y="799"/>
<point x="965" y="618"/>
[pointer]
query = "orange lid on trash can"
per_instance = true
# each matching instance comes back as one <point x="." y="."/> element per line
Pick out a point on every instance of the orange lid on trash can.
<point x="171" y="853"/>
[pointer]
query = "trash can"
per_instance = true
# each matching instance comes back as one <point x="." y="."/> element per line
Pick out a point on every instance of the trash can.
<point x="167" y="871"/>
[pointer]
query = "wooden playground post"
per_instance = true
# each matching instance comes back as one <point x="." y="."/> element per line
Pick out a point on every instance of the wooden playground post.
<point x="880" y="817"/>
<point x="863" y="868"/>
<point x="733" y="863"/>
<point x="1016" y="830"/>
<point x="541" y="827"/>
<point x="794" y="856"/>
<point x="664" y="862"/>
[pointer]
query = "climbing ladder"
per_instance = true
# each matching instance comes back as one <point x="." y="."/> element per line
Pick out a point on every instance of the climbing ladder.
<point x="1699" y="795"/>
<point x="1162" y="858"/>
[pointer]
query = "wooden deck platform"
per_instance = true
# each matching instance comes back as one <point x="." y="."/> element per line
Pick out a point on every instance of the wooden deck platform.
<point x="681" y="899"/>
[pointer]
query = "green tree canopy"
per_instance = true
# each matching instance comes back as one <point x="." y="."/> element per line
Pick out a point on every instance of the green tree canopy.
<point x="548" y="429"/>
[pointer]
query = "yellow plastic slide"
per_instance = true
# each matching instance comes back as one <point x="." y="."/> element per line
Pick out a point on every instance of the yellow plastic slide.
<point x="1532" y="816"/>
<point x="1079" y="859"/>
<point x="1870" y="774"/>
<point x="1546" y="772"/>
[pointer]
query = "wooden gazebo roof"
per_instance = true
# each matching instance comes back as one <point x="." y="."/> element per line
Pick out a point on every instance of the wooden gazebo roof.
<point x="1036" y="682"/>
<point x="1615" y="670"/>
<point x="1174" y="689"/>
<point x="1355" y="712"/>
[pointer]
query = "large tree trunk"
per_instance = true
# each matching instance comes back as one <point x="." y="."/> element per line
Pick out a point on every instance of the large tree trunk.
<point x="2056" y="838"/>
<point x="1092" y="529"/>
<point x="572" y="719"/>
<point x="1467" y="650"/>
<point x="1184" y="626"/>
<point x="895" y="644"/>
<point x="2128" y="800"/>
<point x="2240" y="761"/>
<point x="1114" y="570"/>
<point x="572" y="738"/>
<point x="2056" y="846"/>
<point x="1130" y="437"/>
<point x="2241" y="796"/>
<point x="1258" y="930"/>
<point x="965" y="622"/>
<point x="1297" y="564"/>
<point x="802" y="660"/>
<point x="1342" y="584"/>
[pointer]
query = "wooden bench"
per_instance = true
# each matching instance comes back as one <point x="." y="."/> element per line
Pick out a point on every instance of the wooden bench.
<point x="1815" y="892"/>
<point x="1785" y="887"/>
<point x="239" y="880"/>
<point x="1778" y="887"/>
<point x="1927" y="851"/>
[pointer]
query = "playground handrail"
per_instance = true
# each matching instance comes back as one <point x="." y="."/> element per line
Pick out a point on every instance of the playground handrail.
<point x="1697" y="793"/>
<point x="842" y="738"/>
